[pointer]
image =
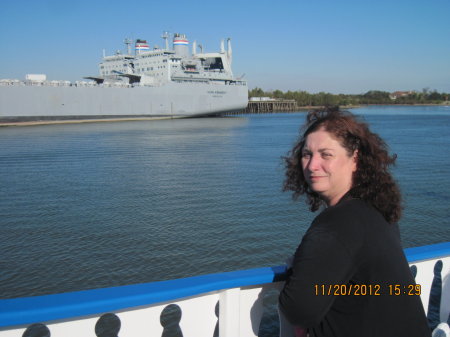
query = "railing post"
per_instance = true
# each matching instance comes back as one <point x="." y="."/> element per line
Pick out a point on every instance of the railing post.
<point x="229" y="312"/>
<point x="251" y="309"/>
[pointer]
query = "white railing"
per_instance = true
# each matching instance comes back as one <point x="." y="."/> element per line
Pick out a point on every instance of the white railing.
<point x="191" y="305"/>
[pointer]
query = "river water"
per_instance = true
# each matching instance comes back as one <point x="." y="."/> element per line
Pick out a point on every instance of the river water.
<point x="97" y="205"/>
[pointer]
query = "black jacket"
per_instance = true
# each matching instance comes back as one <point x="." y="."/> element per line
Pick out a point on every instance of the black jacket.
<point x="350" y="248"/>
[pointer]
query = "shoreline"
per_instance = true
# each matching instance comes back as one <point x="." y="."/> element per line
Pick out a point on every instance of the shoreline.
<point x="131" y="119"/>
<point x="81" y="121"/>
<point x="308" y="107"/>
<point x="447" y="103"/>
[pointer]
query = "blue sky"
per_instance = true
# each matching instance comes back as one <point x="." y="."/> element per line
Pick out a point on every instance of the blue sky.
<point x="337" y="46"/>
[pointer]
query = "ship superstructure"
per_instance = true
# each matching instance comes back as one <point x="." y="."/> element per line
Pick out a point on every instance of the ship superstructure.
<point x="159" y="66"/>
<point x="146" y="81"/>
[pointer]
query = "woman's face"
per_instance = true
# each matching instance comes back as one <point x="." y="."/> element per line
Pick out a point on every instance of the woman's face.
<point x="327" y="167"/>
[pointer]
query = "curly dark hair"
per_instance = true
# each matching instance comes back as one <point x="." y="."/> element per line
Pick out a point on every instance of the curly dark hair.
<point x="372" y="180"/>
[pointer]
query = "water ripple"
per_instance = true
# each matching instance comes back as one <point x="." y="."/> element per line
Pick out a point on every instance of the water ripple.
<point x="87" y="206"/>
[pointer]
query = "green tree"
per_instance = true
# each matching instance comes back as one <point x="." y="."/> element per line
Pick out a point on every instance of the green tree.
<point x="278" y="94"/>
<point x="376" y="97"/>
<point x="256" y="92"/>
<point x="304" y="98"/>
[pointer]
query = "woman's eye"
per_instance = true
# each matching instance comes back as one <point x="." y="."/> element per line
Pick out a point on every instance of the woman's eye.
<point x="306" y="155"/>
<point x="326" y="155"/>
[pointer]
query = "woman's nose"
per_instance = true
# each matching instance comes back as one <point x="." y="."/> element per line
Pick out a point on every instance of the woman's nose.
<point x="314" y="163"/>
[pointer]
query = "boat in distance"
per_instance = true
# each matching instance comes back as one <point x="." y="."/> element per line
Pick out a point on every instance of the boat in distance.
<point x="149" y="82"/>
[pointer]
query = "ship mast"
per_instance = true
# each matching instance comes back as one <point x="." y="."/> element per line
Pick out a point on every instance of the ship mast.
<point x="165" y="36"/>
<point x="128" y="42"/>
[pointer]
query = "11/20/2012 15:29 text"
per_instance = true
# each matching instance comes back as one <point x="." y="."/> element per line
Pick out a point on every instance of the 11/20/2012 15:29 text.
<point x="367" y="289"/>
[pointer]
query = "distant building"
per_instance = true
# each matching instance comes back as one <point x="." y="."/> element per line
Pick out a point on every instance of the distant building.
<point x="398" y="94"/>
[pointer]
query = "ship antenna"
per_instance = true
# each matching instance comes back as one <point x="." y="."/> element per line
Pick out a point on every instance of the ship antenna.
<point x="229" y="51"/>
<point x="165" y="36"/>
<point x="128" y="42"/>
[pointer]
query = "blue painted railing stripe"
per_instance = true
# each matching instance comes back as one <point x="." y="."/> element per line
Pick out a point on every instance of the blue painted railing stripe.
<point x="427" y="252"/>
<point x="27" y="310"/>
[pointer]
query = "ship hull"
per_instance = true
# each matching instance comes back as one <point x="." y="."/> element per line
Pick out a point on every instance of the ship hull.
<point x="174" y="99"/>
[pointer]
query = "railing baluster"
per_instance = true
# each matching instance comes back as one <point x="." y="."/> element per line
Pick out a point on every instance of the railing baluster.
<point x="229" y="313"/>
<point x="251" y="310"/>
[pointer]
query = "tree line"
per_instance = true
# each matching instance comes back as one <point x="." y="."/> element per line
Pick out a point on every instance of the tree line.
<point x="304" y="98"/>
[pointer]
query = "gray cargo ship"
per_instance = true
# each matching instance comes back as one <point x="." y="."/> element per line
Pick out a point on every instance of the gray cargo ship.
<point x="149" y="82"/>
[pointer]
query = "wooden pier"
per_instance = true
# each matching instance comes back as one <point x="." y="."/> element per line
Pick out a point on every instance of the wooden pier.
<point x="269" y="106"/>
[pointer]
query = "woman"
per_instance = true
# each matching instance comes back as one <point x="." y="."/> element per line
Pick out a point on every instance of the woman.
<point x="345" y="271"/>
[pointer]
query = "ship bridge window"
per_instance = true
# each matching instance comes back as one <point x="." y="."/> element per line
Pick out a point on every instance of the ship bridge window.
<point x="213" y="63"/>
